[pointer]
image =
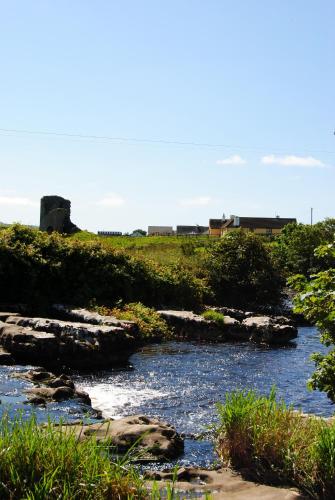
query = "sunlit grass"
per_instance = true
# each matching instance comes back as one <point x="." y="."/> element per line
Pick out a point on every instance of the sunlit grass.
<point x="270" y="442"/>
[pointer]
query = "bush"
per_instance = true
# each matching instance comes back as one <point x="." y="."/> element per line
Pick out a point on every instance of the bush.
<point x="39" y="269"/>
<point x="272" y="443"/>
<point x="295" y="248"/>
<point x="48" y="463"/>
<point x="150" y="324"/>
<point x="241" y="271"/>
<point x="316" y="301"/>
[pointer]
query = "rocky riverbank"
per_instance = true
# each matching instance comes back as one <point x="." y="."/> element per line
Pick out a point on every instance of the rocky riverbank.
<point x="237" y="326"/>
<point x="84" y="340"/>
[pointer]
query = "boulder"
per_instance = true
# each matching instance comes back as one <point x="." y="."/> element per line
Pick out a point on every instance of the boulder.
<point x="49" y="387"/>
<point x="153" y="439"/>
<point x="270" y="330"/>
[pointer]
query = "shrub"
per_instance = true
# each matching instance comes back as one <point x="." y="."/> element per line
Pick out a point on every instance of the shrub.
<point x="241" y="271"/>
<point x="212" y="315"/>
<point x="272" y="443"/>
<point x="294" y="249"/>
<point x="151" y="325"/>
<point x="39" y="269"/>
<point x="316" y="301"/>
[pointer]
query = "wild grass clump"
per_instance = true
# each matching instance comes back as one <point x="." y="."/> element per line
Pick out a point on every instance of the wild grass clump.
<point x="150" y="324"/>
<point x="49" y="463"/>
<point x="215" y="316"/>
<point x="271" y="442"/>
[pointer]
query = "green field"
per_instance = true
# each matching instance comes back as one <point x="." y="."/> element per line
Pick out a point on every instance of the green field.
<point x="184" y="250"/>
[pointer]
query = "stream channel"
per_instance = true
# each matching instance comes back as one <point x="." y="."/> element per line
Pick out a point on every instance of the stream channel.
<point x="180" y="382"/>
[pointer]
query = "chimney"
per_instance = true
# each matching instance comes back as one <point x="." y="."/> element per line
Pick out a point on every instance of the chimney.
<point x="236" y="221"/>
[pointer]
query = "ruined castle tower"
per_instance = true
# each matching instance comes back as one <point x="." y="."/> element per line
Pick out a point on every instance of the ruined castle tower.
<point x="55" y="215"/>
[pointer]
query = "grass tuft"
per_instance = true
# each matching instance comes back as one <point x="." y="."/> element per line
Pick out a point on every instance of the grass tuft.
<point x="272" y="443"/>
<point x="46" y="462"/>
<point x="212" y="315"/>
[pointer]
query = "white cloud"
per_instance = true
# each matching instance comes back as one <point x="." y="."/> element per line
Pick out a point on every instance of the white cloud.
<point x="232" y="160"/>
<point x="17" y="201"/>
<point x="293" y="161"/>
<point x="112" y="200"/>
<point x="197" y="201"/>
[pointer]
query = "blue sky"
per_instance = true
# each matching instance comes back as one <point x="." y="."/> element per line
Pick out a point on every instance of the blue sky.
<point x="255" y="80"/>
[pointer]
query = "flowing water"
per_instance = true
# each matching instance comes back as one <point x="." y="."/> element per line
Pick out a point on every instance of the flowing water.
<point x="181" y="382"/>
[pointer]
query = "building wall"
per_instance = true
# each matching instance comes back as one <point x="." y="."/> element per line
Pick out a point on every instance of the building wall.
<point x="260" y="230"/>
<point x="214" y="232"/>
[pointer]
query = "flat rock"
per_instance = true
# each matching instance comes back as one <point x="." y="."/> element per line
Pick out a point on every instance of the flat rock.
<point x="259" y="329"/>
<point x="270" y="330"/>
<point x="5" y="315"/>
<point x="51" y="342"/>
<point x="85" y="316"/>
<point x="220" y="484"/>
<point x="153" y="438"/>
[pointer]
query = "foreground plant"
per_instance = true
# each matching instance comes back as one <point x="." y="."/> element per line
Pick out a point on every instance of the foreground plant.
<point x="272" y="443"/>
<point x="46" y="462"/>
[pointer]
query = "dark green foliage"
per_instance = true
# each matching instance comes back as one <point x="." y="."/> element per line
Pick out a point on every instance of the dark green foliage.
<point x="295" y="248"/>
<point x="241" y="271"/>
<point x="316" y="301"/>
<point x="39" y="269"/>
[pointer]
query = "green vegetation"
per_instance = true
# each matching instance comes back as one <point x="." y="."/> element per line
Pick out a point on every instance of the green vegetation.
<point x="295" y="248"/>
<point x="48" y="463"/>
<point x="212" y="315"/>
<point x="151" y="326"/>
<point x="316" y="301"/>
<point x="40" y="269"/>
<point x="241" y="269"/>
<point x="242" y="272"/>
<point x="270" y="442"/>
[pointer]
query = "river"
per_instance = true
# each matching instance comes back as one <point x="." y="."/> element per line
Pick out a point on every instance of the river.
<point x="181" y="382"/>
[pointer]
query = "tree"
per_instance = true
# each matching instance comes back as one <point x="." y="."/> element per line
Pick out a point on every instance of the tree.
<point x="316" y="301"/>
<point x="295" y="248"/>
<point x="139" y="232"/>
<point x="241" y="271"/>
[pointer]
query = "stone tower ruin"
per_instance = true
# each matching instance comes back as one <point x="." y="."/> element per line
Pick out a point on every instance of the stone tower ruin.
<point x="55" y="215"/>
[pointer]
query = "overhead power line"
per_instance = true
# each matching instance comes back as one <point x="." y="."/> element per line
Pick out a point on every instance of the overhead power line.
<point x="69" y="135"/>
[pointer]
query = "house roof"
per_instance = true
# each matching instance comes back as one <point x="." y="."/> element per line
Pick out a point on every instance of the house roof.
<point x="192" y="229"/>
<point x="259" y="222"/>
<point x="216" y="223"/>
